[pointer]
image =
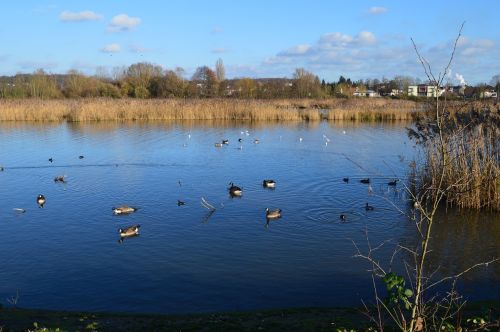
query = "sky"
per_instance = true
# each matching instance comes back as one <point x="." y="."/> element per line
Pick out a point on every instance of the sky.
<point x="357" y="39"/>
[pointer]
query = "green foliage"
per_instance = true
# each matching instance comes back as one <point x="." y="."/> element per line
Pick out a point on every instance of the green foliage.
<point x="397" y="293"/>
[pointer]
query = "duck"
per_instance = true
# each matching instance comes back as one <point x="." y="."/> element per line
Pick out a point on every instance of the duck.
<point x="40" y="200"/>
<point x="269" y="184"/>
<point x="218" y="145"/>
<point x="1" y="169"/>
<point x="240" y="139"/>
<point x="234" y="190"/>
<point x="369" y="207"/>
<point x="346" y="180"/>
<point x="179" y="202"/>
<point x="124" y="209"/>
<point x="274" y="214"/>
<point x="81" y="157"/>
<point x="129" y="231"/>
<point x="365" y="181"/>
<point x="256" y="141"/>
<point x="60" y="178"/>
<point x="225" y="141"/>
<point x="343" y="217"/>
<point x="51" y="159"/>
<point x="393" y="182"/>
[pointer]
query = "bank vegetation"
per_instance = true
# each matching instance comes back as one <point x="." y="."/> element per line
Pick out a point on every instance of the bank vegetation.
<point x="109" y="109"/>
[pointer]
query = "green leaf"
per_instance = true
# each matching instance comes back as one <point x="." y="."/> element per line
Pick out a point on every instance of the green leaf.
<point x="408" y="293"/>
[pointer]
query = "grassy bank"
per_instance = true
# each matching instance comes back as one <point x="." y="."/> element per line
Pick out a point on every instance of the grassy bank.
<point x="300" y="319"/>
<point x="305" y="319"/>
<point x="103" y="109"/>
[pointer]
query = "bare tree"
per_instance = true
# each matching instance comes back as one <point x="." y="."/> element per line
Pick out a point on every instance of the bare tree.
<point x="220" y="71"/>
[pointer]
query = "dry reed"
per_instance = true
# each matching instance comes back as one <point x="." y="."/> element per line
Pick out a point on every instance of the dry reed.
<point x="102" y="109"/>
<point x="470" y="160"/>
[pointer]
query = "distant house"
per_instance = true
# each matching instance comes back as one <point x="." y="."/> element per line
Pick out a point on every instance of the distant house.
<point x="395" y="92"/>
<point x="367" y="93"/>
<point x="488" y="94"/>
<point x="424" y="90"/>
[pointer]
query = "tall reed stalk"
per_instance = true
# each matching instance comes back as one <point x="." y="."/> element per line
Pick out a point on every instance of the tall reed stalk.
<point x="470" y="162"/>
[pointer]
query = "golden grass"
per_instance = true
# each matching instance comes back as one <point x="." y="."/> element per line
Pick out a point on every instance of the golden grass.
<point x="372" y="109"/>
<point x="102" y="109"/>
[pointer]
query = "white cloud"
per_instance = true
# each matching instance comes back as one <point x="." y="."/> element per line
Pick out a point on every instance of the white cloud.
<point x="123" y="22"/>
<point x="468" y="47"/>
<point x="377" y="10"/>
<point x="134" y="48"/>
<point x="33" y="65"/>
<point x="217" y="30"/>
<point x="111" y="48"/>
<point x="220" y="50"/>
<point x="300" y="49"/>
<point x="85" y="15"/>
<point x="366" y="37"/>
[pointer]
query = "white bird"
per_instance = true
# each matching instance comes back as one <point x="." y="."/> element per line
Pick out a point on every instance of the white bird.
<point x="370" y="189"/>
<point x="300" y="139"/>
<point x="189" y="136"/>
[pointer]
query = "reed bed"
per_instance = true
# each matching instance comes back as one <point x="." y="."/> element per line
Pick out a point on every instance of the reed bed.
<point x="103" y="109"/>
<point x="151" y="109"/>
<point x="469" y="155"/>
<point x="372" y="109"/>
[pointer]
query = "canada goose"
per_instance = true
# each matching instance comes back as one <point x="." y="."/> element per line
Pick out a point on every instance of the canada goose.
<point x="40" y="199"/>
<point x="225" y="141"/>
<point x="51" y="160"/>
<point x="218" y="145"/>
<point x="343" y="217"/>
<point x="234" y="190"/>
<point x="179" y="202"/>
<point x="269" y="183"/>
<point x="124" y="209"/>
<point x="365" y="181"/>
<point x="81" y="157"/>
<point x="346" y="180"/>
<point x="274" y="214"/>
<point x="60" y="178"/>
<point x="129" y="231"/>
<point x="393" y="182"/>
<point x="369" y="207"/>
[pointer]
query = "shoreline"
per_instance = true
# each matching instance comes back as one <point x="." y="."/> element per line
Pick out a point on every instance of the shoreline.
<point x="107" y="109"/>
<point x="287" y="319"/>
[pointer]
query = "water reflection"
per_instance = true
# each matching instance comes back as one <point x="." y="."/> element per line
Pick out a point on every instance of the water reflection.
<point x="469" y="237"/>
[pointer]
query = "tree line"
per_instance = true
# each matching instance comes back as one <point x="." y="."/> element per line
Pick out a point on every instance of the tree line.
<point x="146" y="80"/>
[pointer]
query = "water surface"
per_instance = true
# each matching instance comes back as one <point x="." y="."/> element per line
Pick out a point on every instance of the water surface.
<point x="66" y="255"/>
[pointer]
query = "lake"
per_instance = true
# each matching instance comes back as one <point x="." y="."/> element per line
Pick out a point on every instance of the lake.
<point x="67" y="255"/>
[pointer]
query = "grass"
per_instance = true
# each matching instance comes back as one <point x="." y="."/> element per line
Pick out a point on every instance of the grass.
<point x="296" y="319"/>
<point x="103" y="109"/>
<point x="304" y="319"/>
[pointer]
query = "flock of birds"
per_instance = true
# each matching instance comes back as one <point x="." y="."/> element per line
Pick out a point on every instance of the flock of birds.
<point x="234" y="191"/>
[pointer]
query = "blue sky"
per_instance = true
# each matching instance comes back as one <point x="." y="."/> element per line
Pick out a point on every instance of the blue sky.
<point x="357" y="39"/>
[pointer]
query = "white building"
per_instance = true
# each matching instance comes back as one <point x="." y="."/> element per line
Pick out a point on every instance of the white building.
<point x="424" y="90"/>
